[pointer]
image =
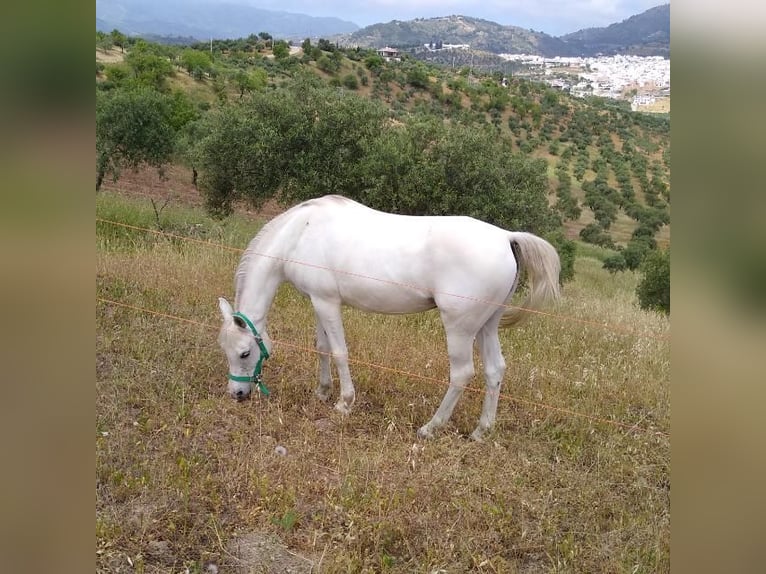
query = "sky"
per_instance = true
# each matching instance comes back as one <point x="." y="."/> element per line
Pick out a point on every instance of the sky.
<point x="554" y="17"/>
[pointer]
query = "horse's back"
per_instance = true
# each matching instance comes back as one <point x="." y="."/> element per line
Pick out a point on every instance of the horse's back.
<point x="378" y="258"/>
<point x="345" y="228"/>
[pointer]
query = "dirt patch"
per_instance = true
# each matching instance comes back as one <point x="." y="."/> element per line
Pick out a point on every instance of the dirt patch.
<point x="260" y="552"/>
<point x="175" y="186"/>
<point x="109" y="57"/>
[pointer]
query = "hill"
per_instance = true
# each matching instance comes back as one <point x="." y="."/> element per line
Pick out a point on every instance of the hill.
<point x="203" y="20"/>
<point x="479" y="34"/>
<point x="645" y="34"/>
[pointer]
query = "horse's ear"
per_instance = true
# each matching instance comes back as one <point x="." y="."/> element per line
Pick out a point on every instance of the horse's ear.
<point x="225" y="308"/>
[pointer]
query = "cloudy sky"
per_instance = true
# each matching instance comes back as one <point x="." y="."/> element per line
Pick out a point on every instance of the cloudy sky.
<point x="554" y="17"/>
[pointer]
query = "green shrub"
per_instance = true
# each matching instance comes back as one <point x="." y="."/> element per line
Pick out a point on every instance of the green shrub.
<point x="594" y="233"/>
<point x="615" y="263"/>
<point x="567" y="251"/>
<point x="350" y="81"/>
<point x="654" y="289"/>
<point x="327" y="64"/>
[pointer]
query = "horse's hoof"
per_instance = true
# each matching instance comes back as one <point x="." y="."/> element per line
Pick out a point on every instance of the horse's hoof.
<point x="425" y="432"/>
<point x="477" y="435"/>
<point x="322" y="395"/>
<point x="342" y="407"/>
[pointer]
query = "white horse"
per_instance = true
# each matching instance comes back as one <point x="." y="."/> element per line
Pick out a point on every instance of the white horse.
<point x="336" y="251"/>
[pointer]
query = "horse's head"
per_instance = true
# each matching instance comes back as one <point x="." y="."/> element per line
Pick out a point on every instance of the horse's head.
<point x="244" y="349"/>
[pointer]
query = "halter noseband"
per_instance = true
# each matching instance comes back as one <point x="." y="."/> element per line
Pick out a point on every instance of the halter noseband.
<point x="256" y="376"/>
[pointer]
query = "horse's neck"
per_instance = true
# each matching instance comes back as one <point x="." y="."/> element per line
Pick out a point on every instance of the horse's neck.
<point x="258" y="289"/>
<point x="264" y="272"/>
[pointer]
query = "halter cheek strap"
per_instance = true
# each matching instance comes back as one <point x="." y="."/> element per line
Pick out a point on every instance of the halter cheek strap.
<point x="256" y="376"/>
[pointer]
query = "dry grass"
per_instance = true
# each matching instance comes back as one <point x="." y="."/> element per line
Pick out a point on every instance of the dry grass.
<point x="660" y="106"/>
<point x="185" y="476"/>
<point x="111" y="56"/>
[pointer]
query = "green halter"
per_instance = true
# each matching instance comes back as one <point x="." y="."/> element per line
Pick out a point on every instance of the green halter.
<point x="256" y="376"/>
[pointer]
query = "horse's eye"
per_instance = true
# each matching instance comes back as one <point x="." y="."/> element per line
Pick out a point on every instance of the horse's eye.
<point x="245" y="355"/>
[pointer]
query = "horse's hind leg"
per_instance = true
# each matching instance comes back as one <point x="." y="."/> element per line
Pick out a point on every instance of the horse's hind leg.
<point x="494" y="370"/>
<point x="460" y="349"/>
<point x="325" y="377"/>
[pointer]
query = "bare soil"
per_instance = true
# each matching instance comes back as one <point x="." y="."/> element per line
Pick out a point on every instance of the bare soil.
<point x="112" y="56"/>
<point x="174" y="186"/>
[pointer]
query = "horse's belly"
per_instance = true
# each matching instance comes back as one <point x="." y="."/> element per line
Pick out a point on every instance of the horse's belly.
<point x="386" y="298"/>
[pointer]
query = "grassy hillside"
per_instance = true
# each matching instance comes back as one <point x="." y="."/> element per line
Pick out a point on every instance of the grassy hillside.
<point x="608" y="166"/>
<point x="186" y="477"/>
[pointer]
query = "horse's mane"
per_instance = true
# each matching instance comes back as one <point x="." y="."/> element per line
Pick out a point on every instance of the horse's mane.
<point x="256" y="246"/>
<point x="253" y="251"/>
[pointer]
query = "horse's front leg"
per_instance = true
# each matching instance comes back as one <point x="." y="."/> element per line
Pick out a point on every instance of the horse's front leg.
<point x="325" y="376"/>
<point x="329" y="320"/>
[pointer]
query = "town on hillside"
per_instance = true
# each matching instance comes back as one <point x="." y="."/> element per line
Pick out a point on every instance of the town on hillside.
<point x="644" y="80"/>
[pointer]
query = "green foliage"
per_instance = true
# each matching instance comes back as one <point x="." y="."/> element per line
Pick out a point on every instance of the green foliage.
<point x="132" y="127"/>
<point x="281" y="49"/>
<point x="498" y="98"/>
<point x="117" y="75"/>
<point x="350" y="81"/>
<point x="615" y="263"/>
<point x="196" y="63"/>
<point x="182" y="110"/>
<point x="567" y="251"/>
<point x="250" y="81"/>
<point x="150" y="67"/>
<point x="119" y="39"/>
<point x="316" y="53"/>
<point x="635" y="253"/>
<point x="654" y="289"/>
<point x="104" y="43"/>
<point x="374" y="62"/>
<point x="287" y="522"/>
<point x="326" y="45"/>
<point x="602" y="200"/>
<point x="305" y="141"/>
<point x="594" y="233"/>
<point x="428" y="167"/>
<point x="327" y="64"/>
<point x="417" y="76"/>
<point x="302" y="141"/>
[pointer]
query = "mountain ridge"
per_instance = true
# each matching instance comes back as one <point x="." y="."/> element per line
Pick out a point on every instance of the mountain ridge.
<point x="204" y="21"/>
<point x="645" y="34"/>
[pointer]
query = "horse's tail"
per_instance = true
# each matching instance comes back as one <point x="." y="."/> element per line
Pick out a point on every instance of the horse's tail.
<point x="540" y="261"/>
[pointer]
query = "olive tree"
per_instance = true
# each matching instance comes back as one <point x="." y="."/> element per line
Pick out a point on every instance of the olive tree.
<point x="196" y="63"/>
<point x="298" y="142"/>
<point x="654" y="289"/>
<point x="132" y="127"/>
